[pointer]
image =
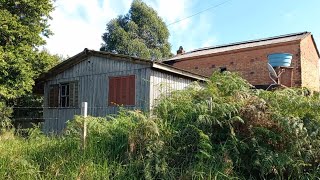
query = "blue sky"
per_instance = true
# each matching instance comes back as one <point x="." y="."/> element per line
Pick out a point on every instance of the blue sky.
<point x="79" y="24"/>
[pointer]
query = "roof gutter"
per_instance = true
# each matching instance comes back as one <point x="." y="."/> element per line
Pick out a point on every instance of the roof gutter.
<point x="178" y="71"/>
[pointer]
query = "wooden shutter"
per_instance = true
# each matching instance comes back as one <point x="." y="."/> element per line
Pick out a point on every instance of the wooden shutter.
<point x="132" y="90"/>
<point x="76" y="94"/>
<point x="54" y="95"/>
<point x="122" y="90"/>
<point x="73" y="94"/>
<point x="117" y="90"/>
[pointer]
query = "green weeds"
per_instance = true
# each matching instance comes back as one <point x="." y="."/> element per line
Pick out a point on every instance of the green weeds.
<point x="225" y="130"/>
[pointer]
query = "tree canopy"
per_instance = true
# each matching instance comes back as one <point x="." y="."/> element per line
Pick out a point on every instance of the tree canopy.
<point x="24" y="24"/>
<point x="141" y="33"/>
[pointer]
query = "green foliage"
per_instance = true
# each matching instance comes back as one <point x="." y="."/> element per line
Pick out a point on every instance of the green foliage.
<point x="140" y="33"/>
<point x="224" y="130"/>
<point x="45" y="61"/>
<point x="127" y="145"/>
<point x="259" y="134"/>
<point x="5" y="113"/>
<point x="22" y="23"/>
<point x="23" y="26"/>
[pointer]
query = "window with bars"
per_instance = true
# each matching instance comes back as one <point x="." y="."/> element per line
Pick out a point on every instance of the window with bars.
<point x="63" y="95"/>
<point x="122" y="91"/>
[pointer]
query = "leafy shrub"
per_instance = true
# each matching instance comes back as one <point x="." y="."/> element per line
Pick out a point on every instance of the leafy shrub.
<point x="5" y="113"/>
<point x="259" y="134"/>
<point x="223" y="130"/>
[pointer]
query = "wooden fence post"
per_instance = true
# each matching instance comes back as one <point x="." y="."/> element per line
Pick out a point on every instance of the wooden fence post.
<point x="84" y="114"/>
<point x="210" y="104"/>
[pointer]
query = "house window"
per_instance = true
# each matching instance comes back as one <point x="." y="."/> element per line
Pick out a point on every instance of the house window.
<point x="64" y="95"/>
<point x="122" y="91"/>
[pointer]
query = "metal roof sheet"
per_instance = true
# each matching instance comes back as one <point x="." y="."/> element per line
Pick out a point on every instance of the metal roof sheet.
<point x="241" y="45"/>
<point x="87" y="53"/>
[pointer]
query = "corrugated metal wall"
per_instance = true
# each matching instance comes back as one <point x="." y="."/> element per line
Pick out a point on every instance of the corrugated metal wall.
<point x="162" y="83"/>
<point x="93" y="76"/>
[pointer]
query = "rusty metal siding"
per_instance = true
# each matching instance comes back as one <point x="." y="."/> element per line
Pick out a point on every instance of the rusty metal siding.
<point x="92" y="76"/>
<point x="162" y="83"/>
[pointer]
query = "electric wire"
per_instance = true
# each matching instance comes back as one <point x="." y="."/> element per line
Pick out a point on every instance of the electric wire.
<point x="211" y="7"/>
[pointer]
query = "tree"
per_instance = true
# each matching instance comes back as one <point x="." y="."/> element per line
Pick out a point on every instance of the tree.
<point x="23" y="26"/>
<point x="140" y="33"/>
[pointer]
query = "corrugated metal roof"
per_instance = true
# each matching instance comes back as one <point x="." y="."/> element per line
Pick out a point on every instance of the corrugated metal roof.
<point x="241" y="45"/>
<point x="86" y="53"/>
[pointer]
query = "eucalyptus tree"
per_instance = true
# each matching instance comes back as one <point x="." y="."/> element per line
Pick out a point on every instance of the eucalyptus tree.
<point x="141" y="33"/>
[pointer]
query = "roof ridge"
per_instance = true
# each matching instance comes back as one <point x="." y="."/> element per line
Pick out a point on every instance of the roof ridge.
<point x="62" y="66"/>
<point x="249" y="41"/>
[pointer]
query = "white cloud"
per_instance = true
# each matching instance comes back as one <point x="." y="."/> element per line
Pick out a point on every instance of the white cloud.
<point x="289" y="15"/>
<point x="79" y="24"/>
<point x="210" y="42"/>
<point x="200" y="33"/>
<point x="171" y="11"/>
<point x="193" y="32"/>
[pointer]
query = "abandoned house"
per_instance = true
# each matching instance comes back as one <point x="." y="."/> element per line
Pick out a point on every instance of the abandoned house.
<point x="105" y="81"/>
<point x="249" y="59"/>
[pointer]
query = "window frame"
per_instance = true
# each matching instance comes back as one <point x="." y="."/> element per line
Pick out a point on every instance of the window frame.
<point x="66" y="95"/>
<point x="63" y="94"/>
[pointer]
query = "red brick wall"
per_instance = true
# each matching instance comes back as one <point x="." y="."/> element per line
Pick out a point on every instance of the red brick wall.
<point x="251" y="63"/>
<point x="309" y="64"/>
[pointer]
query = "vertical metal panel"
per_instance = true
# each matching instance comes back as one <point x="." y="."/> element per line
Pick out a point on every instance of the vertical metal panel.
<point x="112" y="91"/>
<point x="131" y="90"/>
<point x="92" y="76"/>
<point x="162" y="83"/>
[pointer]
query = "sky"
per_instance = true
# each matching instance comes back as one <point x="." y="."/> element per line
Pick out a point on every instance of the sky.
<point x="79" y="24"/>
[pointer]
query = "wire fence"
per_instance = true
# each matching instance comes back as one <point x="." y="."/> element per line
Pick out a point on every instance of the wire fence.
<point x="55" y="118"/>
<point x="45" y="113"/>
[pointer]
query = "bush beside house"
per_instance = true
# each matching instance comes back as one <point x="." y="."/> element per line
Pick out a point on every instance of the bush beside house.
<point x="225" y="130"/>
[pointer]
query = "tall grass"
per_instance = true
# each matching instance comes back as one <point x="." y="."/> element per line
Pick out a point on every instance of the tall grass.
<point x="225" y="130"/>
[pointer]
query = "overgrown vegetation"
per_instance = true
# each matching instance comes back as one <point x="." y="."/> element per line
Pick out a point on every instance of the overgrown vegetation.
<point x="23" y="28"/>
<point x="225" y="130"/>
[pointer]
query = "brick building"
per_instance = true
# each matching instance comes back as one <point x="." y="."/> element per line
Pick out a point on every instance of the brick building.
<point x="249" y="59"/>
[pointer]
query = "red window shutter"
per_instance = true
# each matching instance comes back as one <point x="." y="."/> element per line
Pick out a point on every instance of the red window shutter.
<point x="127" y="91"/>
<point x="117" y="90"/>
<point x="132" y="90"/>
<point x="122" y="90"/>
